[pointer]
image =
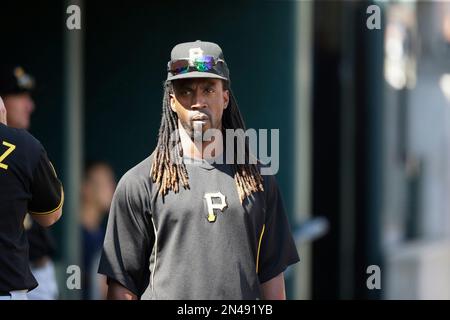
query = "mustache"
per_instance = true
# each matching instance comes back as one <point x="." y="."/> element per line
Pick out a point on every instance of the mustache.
<point x="199" y="116"/>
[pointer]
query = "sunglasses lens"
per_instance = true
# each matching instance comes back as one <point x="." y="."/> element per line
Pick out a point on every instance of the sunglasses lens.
<point x="204" y="63"/>
<point x="179" y="66"/>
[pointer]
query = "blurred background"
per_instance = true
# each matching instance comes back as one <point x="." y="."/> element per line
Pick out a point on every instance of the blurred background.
<point x="363" y="114"/>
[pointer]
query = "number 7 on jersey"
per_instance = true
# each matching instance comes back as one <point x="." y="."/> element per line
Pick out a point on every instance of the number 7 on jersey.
<point x="8" y="151"/>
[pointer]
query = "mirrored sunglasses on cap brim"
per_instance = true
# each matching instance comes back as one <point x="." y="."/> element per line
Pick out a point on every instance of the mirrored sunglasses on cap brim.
<point x="204" y="63"/>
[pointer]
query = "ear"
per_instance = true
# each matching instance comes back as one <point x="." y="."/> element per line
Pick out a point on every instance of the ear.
<point x="173" y="102"/>
<point x="226" y="98"/>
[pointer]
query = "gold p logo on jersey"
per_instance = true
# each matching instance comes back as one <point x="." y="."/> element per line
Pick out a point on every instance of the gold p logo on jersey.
<point x="218" y="205"/>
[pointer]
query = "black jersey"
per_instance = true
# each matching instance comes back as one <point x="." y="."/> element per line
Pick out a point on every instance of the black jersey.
<point x="41" y="242"/>
<point x="28" y="183"/>
<point x="201" y="243"/>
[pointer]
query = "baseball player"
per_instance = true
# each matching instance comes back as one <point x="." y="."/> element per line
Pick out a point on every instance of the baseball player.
<point x="16" y="87"/>
<point x="28" y="183"/>
<point x="204" y="229"/>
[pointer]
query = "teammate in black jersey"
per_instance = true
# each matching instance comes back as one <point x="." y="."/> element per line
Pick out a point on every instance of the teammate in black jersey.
<point x="16" y="88"/>
<point x="28" y="183"/>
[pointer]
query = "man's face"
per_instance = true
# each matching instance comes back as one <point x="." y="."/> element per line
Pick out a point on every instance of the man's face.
<point x="19" y="108"/>
<point x="199" y="102"/>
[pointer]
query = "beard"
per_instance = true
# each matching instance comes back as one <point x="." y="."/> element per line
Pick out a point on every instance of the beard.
<point x="196" y="129"/>
<point x="197" y="132"/>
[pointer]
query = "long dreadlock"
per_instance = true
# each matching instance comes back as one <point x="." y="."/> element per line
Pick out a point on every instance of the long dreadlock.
<point x="168" y="168"/>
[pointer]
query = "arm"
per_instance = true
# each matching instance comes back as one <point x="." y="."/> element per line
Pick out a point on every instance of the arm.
<point x="118" y="292"/>
<point x="274" y="288"/>
<point x="128" y="242"/>
<point x="103" y="286"/>
<point x="46" y="220"/>
<point x="277" y="246"/>
<point x="2" y="112"/>
<point x="47" y="192"/>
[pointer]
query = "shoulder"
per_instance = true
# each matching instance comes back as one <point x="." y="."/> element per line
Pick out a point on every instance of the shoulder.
<point x="27" y="149"/>
<point x="137" y="178"/>
<point x="269" y="178"/>
<point x="20" y="136"/>
<point x="133" y="193"/>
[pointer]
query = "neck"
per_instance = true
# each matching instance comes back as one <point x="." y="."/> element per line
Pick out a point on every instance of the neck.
<point x="201" y="149"/>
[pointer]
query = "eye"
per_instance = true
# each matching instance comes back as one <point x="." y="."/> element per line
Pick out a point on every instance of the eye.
<point x="210" y="90"/>
<point x="185" y="92"/>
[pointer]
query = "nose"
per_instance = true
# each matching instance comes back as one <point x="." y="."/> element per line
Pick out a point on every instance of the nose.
<point x="199" y="100"/>
<point x="198" y="105"/>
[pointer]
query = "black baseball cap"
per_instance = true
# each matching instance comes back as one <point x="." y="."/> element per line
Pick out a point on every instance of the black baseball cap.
<point x="209" y="54"/>
<point x="14" y="80"/>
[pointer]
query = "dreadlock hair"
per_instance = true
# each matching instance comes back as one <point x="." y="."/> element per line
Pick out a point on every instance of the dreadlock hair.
<point x="168" y="169"/>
